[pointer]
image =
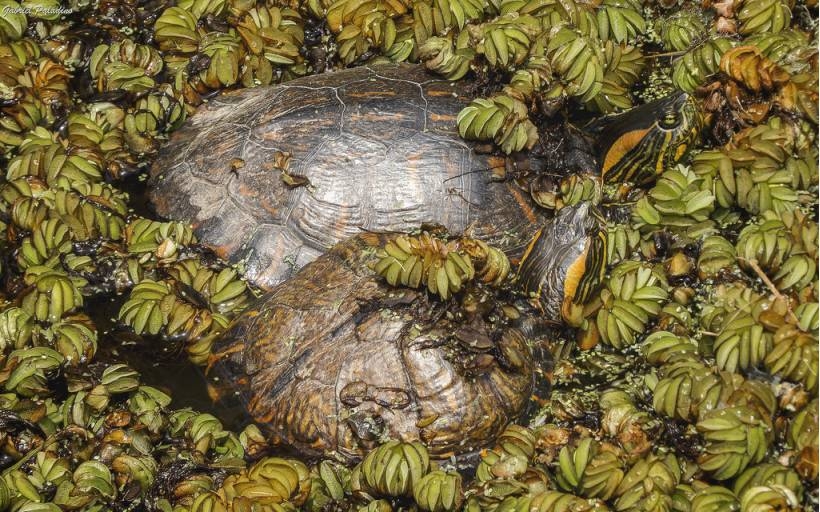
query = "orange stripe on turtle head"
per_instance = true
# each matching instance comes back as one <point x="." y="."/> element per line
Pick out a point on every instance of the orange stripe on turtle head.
<point x="574" y="274"/>
<point x="621" y="147"/>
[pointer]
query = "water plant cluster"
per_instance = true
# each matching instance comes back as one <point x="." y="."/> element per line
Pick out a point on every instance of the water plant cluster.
<point x="692" y="382"/>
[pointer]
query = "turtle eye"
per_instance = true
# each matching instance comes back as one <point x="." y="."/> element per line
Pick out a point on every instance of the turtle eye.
<point x="670" y="119"/>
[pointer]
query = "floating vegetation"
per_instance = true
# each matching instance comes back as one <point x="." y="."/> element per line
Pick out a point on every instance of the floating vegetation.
<point x="411" y="261"/>
<point x="693" y="381"/>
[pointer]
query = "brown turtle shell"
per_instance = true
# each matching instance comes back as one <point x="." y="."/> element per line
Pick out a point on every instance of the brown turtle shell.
<point x="333" y="360"/>
<point x="378" y="150"/>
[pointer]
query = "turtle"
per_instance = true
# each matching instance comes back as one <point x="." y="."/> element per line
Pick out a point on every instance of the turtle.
<point x="334" y="360"/>
<point x="272" y="177"/>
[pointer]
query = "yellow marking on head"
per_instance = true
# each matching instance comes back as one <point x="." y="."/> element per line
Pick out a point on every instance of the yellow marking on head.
<point x="574" y="274"/>
<point x="660" y="162"/>
<point x="530" y="246"/>
<point x="680" y="151"/>
<point x="621" y="147"/>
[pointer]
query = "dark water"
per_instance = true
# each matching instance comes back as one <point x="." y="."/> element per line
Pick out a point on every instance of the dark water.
<point x="162" y="364"/>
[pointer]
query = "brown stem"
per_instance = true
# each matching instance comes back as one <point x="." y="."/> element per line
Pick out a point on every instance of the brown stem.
<point x="762" y="275"/>
<point x="665" y="54"/>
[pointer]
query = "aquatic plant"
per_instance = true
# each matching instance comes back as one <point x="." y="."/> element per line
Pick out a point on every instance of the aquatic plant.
<point x="707" y="319"/>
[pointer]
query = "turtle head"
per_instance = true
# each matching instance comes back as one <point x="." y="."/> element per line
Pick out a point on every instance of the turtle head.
<point x="565" y="262"/>
<point x="638" y="145"/>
